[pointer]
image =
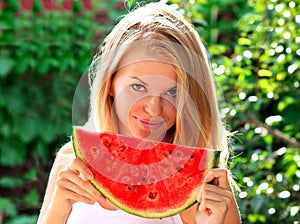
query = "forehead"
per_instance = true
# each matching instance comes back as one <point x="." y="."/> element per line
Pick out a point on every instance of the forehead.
<point x="139" y="62"/>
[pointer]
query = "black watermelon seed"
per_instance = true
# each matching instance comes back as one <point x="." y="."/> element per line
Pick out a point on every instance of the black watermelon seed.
<point x="179" y="153"/>
<point x="152" y="195"/>
<point x="178" y="168"/>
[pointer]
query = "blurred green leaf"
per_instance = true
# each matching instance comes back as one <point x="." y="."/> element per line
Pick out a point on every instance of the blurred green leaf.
<point x="6" y="65"/>
<point x="7" y="206"/>
<point x="13" y="152"/>
<point x="217" y="49"/>
<point x="23" y="219"/>
<point x="244" y="41"/>
<point x="31" y="174"/>
<point x="264" y="73"/>
<point x="10" y="182"/>
<point x="285" y="103"/>
<point x="256" y="218"/>
<point x="32" y="198"/>
<point x="28" y="129"/>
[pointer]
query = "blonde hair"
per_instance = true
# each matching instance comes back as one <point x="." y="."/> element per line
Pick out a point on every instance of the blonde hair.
<point x="170" y="38"/>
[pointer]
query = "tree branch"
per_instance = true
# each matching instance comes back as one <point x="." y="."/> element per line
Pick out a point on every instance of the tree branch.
<point x="274" y="132"/>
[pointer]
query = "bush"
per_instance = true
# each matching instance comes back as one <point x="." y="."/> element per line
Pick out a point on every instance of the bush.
<point x="43" y="55"/>
<point x="260" y="83"/>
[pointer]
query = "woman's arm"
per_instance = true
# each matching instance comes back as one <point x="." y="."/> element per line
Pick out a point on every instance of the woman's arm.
<point x="63" y="158"/>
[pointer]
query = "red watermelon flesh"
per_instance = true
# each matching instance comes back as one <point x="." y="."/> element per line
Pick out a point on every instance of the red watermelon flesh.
<point x="145" y="178"/>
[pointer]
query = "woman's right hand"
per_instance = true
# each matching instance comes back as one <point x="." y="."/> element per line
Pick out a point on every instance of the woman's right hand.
<point x="69" y="182"/>
<point x="72" y="185"/>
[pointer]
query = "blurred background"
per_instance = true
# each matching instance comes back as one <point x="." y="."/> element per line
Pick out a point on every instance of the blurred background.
<point x="47" y="45"/>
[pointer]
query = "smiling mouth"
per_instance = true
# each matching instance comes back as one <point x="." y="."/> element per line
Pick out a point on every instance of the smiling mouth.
<point x="148" y="124"/>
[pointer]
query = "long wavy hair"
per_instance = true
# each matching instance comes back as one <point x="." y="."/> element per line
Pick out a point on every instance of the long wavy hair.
<point x="168" y="37"/>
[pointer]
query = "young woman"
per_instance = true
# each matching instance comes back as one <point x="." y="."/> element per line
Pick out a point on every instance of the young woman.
<point x="151" y="79"/>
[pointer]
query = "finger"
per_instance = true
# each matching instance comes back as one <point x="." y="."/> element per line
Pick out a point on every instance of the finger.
<point x="75" y="197"/>
<point x="71" y="182"/>
<point x="218" y="177"/>
<point x="215" y="202"/>
<point x="213" y="192"/>
<point x="75" y="183"/>
<point x="80" y="168"/>
<point x="209" y="207"/>
<point x="202" y="208"/>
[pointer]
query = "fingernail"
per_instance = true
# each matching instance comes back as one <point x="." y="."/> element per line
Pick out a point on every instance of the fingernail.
<point x="101" y="199"/>
<point x="90" y="176"/>
<point x="206" y="179"/>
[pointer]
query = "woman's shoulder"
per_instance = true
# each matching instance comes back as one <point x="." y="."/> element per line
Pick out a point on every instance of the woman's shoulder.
<point x="66" y="149"/>
<point x="65" y="155"/>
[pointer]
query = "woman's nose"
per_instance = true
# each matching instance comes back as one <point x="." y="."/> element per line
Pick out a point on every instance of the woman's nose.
<point x="153" y="105"/>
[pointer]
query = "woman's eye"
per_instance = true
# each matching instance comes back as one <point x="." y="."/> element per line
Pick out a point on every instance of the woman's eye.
<point x="138" y="87"/>
<point x="172" y="92"/>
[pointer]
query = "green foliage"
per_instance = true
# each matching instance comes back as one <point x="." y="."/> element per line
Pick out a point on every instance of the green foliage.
<point x="260" y="84"/>
<point x="43" y="55"/>
<point x="255" y="60"/>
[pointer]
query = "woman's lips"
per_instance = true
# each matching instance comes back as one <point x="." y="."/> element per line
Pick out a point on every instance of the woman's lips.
<point x="150" y="124"/>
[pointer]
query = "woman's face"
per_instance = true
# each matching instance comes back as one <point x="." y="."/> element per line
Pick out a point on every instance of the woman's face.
<point x="144" y="95"/>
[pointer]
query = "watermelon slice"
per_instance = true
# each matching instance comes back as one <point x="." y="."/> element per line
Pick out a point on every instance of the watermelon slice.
<point x="142" y="177"/>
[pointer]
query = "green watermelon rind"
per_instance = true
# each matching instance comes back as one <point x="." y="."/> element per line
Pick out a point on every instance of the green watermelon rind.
<point x="214" y="155"/>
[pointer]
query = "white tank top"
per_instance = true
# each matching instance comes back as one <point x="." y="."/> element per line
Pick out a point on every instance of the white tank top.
<point x="94" y="214"/>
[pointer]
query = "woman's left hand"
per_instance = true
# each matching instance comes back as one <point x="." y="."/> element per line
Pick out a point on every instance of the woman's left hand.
<point x="215" y="197"/>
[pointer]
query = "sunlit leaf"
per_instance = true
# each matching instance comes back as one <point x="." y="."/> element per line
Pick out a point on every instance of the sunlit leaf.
<point x="285" y="103"/>
<point x="244" y="41"/>
<point x="268" y="139"/>
<point x="217" y="49"/>
<point x="264" y="73"/>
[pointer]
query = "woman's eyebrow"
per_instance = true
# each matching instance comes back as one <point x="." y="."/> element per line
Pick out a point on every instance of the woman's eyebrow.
<point x="146" y="84"/>
<point x="174" y="87"/>
<point x="134" y="77"/>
